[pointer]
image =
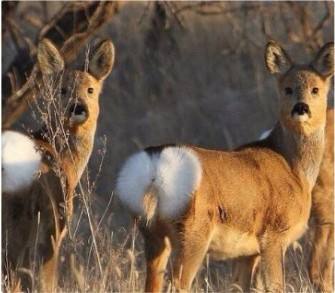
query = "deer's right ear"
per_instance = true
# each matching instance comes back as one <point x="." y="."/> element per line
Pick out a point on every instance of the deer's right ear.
<point x="276" y="59"/>
<point x="324" y="60"/>
<point x="101" y="64"/>
<point x="49" y="59"/>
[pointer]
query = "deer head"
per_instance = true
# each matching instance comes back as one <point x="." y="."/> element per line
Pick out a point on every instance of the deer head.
<point x="79" y="90"/>
<point x="302" y="89"/>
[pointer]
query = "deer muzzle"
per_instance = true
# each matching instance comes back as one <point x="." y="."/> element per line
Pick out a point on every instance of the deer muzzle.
<point x="301" y="112"/>
<point x="78" y="113"/>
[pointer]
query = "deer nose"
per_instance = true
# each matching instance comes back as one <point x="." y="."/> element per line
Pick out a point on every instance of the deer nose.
<point x="78" y="109"/>
<point x="300" y="109"/>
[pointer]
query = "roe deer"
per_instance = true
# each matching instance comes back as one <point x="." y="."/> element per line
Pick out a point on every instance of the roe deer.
<point x="40" y="175"/>
<point x="321" y="221"/>
<point x="322" y="214"/>
<point x="249" y="202"/>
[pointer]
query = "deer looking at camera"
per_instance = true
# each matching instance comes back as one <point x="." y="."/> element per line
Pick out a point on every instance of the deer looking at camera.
<point x="321" y="223"/>
<point x="40" y="173"/>
<point x="249" y="202"/>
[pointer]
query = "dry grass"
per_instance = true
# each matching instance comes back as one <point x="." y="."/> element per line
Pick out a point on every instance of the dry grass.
<point x="204" y="84"/>
<point x="123" y="264"/>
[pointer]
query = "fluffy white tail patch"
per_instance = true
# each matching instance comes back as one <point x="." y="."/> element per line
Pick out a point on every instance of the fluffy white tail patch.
<point x="265" y="134"/>
<point x="20" y="161"/>
<point x="174" y="174"/>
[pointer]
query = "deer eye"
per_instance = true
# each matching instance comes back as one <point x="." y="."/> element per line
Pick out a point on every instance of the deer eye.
<point x="288" y="91"/>
<point x="315" y="90"/>
<point x="90" y="90"/>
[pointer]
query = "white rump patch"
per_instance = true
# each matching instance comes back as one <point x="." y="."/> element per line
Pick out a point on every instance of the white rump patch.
<point x="133" y="180"/>
<point x="20" y="161"/>
<point x="174" y="174"/>
<point x="265" y="134"/>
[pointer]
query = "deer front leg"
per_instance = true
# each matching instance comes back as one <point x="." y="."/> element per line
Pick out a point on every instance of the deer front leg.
<point x="49" y="269"/>
<point x="49" y="274"/>
<point x="157" y="252"/>
<point x="322" y="257"/>
<point x="246" y="273"/>
<point x="271" y="266"/>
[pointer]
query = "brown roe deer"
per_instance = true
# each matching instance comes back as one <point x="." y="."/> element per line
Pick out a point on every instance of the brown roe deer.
<point x="320" y="267"/>
<point x="321" y="264"/>
<point x="249" y="202"/>
<point x="39" y="178"/>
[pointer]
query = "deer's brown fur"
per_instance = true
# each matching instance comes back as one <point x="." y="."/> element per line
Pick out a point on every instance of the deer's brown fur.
<point x="322" y="216"/>
<point x="249" y="202"/>
<point x="35" y="220"/>
<point x="321" y="222"/>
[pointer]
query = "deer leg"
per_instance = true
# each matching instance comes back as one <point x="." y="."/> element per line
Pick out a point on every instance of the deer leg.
<point x="49" y="269"/>
<point x="190" y="255"/>
<point x="157" y="251"/>
<point x="321" y="262"/>
<point x="271" y="266"/>
<point x="245" y="272"/>
<point x="328" y="268"/>
<point x="48" y="274"/>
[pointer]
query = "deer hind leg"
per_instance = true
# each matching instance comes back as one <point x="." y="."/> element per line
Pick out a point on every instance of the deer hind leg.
<point x="190" y="254"/>
<point x="322" y="257"/>
<point x="157" y="252"/>
<point x="246" y="273"/>
<point x="271" y="266"/>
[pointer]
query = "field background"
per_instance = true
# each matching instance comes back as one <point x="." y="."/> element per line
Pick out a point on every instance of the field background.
<point x="184" y="73"/>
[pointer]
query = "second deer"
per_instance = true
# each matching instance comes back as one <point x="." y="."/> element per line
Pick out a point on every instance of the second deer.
<point x="40" y="173"/>
<point x="249" y="202"/>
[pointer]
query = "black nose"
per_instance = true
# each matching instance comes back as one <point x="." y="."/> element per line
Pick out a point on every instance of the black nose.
<point x="300" y="109"/>
<point x="77" y="109"/>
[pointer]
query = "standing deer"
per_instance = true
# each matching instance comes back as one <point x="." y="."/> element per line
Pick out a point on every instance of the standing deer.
<point x="39" y="177"/>
<point x="251" y="202"/>
<point x="322" y="258"/>
<point x="246" y="271"/>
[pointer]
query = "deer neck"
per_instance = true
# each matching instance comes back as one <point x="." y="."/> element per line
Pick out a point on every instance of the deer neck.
<point x="75" y="158"/>
<point x="303" y="152"/>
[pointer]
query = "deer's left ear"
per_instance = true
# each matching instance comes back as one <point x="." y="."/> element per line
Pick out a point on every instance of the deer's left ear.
<point x="324" y="60"/>
<point x="49" y="59"/>
<point x="101" y="64"/>
<point x="277" y="60"/>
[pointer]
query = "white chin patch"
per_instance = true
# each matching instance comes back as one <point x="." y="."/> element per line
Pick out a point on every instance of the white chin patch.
<point x="20" y="161"/>
<point x="78" y="118"/>
<point x="300" y="118"/>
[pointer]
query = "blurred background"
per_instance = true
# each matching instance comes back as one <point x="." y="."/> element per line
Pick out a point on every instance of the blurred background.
<point x="185" y="72"/>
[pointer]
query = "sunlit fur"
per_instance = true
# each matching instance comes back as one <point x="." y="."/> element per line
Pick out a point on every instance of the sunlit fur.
<point x="255" y="201"/>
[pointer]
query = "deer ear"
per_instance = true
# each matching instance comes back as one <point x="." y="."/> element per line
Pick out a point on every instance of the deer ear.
<point x="324" y="60"/>
<point x="101" y="64"/>
<point x="277" y="60"/>
<point x="49" y="59"/>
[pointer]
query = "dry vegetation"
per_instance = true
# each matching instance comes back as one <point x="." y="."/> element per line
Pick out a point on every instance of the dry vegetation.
<point x="186" y="73"/>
